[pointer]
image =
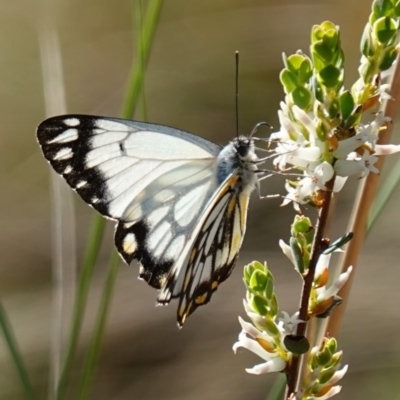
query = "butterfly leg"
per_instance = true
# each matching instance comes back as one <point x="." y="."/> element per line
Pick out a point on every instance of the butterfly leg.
<point x="270" y="196"/>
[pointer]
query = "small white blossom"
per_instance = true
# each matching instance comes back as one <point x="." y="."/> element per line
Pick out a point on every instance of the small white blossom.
<point x="289" y="323"/>
<point x="263" y="345"/>
<point x="324" y="293"/>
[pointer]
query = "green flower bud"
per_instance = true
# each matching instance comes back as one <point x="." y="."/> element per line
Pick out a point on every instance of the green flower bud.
<point x="301" y="224"/>
<point x="324" y="356"/>
<point x="332" y="345"/>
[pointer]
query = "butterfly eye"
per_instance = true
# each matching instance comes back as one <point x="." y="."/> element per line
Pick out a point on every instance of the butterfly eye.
<point x="243" y="148"/>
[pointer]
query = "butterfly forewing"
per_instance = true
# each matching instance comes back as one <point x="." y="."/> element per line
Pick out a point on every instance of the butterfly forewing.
<point x="110" y="161"/>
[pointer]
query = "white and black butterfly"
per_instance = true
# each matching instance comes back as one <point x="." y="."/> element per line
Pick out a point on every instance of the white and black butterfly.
<point x="180" y="201"/>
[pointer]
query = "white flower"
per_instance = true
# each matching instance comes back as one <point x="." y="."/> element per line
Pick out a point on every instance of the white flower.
<point x="324" y="293"/>
<point x="315" y="180"/>
<point x="384" y="95"/>
<point x="294" y="194"/>
<point x="289" y="323"/>
<point x="332" y="392"/>
<point x="287" y="251"/>
<point x="357" y="165"/>
<point x="261" y="344"/>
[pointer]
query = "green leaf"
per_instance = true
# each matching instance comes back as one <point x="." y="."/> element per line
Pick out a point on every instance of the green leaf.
<point x="305" y="71"/>
<point x="338" y="243"/>
<point x="316" y="33"/>
<point x="269" y="289"/>
<point x="331" y="38"/>
<point x="397" y="9"/>
<point x="302" y="97"/>
<point x="324" y="357"/>
<point x="288" y="80"/>
<point x="388" y="59"/>
<point x="297" y="255"/>
<point x="366" y="45"/>
<point x="273" y="306"/>
<point x="317" y="89"/>
<point x="346" y="104"/>
<point x="294" y="62"/>
<point x="258" y="281"/>
<point x="354" y="118"/>
<point x="324" y="52"/>
<point x="325" y="375"/>
<point x="330" y="76"/>
<point x="259" y="305"/>
<point x="271" y="327"/>
<point x="334" y="109"/>
<point x="382" y="8"/>
<point x="385" y="30"/>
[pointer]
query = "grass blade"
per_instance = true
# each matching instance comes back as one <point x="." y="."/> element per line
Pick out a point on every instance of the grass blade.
<point x="15" y="354"/>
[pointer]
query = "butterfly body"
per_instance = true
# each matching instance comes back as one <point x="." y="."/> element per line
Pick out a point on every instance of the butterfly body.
<point x="180" y="201"/>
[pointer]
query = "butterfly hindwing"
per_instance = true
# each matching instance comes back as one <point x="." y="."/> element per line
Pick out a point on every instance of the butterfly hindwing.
<point x="213" y="253"/>
<point x="166" y="215"/>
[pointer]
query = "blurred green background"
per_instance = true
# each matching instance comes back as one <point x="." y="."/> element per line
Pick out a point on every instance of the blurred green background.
<point x="189" y="85"/>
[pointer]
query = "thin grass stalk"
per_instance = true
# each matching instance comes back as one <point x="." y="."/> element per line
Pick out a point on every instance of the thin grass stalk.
<point x="85" y="277"/>
<point x="16" y="354"/>
<point x="98" y="333"/>
<point x="63" y="212"/>
<point x="362" y="206"/>
<point x="142" y="60"/>
<point x="97" y="229"/>
<point x="92" y="358"/>
<point x="385" y="192"/>
<point x="143" y="50"/>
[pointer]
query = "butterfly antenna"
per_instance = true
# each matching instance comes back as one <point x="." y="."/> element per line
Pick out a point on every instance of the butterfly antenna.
<point x="237" y="91"/>
<point x="255" y="129"/>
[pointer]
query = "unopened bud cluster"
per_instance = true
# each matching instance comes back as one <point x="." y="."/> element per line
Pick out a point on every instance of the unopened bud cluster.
<point x="324" y="372"/>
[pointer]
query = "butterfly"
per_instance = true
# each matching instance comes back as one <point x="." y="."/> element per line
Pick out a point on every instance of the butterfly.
<point x="180" y="201"/>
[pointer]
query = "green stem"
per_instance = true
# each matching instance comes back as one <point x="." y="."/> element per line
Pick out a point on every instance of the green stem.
<point x="136" y="75"/>
<point x="134" y="88"/>
<point x="15" y="354"/>
<point x="93" y="247"/>
<point x="94" y="348"/>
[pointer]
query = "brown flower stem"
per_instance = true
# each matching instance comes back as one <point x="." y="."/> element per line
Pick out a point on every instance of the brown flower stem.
<point x="317" y="248"/>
